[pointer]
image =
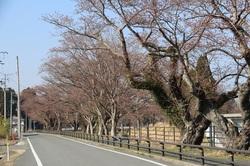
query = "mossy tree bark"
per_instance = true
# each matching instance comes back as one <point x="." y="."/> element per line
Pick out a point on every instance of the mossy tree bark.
<point x="243" y="139"/>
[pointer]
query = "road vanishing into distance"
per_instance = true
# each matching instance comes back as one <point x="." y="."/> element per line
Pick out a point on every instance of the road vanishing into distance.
<point x="50" y="150"/>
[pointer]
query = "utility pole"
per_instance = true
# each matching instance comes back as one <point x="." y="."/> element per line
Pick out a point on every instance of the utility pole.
<point x="11" y="116"/>
<point x="26" y="123"/>
<point x="18" y="101"/>
<point x="4" y="98"/>
<point x="4" y="89"/>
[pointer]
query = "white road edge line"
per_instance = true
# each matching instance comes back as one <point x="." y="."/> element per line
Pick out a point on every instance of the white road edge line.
<point x="38" y="161"/>
<point x="125" y="154"/>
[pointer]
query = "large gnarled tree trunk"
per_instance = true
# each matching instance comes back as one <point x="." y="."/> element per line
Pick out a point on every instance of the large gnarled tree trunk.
<point x="243" y="140"/>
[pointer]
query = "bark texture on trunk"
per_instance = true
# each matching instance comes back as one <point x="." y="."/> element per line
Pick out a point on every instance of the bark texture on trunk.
<point x="195" y="130"/>
<point x="58" y="125"/>
<point x="100" y="129"/>
<point x="91" y="128"/>
<point x="87" y="129"/>
<point x="113" y="128"/>
<point x="243" y="140"/>
<point x="113" y="118"/>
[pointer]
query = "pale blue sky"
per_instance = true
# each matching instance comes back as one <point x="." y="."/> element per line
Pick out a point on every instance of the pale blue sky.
<point x="23" y="33"/>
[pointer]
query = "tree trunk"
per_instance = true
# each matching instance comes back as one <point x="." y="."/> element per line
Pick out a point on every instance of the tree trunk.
<point x="100" y="129"/>
<point x="76" y="125"/>
<point x="58" y="124"/>
<point x="195" y="130"/>
<point x="91" y="128"/>
<point x="113" y="127"/>
<point x="243" y="140"/>
<point x="138" y="128"/>
<point x="113" y="118"/>
<point x="105" y="129"/>
<point x="87" y="129"/>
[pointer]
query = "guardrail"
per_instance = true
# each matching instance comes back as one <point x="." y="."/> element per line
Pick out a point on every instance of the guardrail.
<point x="201" y="154"/>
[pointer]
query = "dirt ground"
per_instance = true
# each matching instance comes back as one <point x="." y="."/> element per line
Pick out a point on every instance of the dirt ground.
<point x="13" y="153"/>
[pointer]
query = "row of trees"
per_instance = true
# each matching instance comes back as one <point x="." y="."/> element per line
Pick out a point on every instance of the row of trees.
<point x="87" y="92"/>
<point x="192" y="56"/>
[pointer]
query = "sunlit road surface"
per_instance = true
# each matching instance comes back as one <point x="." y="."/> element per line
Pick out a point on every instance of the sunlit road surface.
<point x="49" y="150"/>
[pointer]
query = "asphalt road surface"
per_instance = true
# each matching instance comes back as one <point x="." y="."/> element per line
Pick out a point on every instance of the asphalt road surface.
<point x="49" y="150"/>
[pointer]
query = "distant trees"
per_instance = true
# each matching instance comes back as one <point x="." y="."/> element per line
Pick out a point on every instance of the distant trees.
<point x="85" y="91"/>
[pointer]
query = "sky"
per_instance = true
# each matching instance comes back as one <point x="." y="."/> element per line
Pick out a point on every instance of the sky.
<point x="23" y="33"/>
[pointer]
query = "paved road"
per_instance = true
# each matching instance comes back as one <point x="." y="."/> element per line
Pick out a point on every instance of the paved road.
<point x="56" y="151"/>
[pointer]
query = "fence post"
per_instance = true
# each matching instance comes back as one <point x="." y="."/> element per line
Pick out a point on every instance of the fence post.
<point x="202" y="156"/>
<point x="149" y="146"/>
<point x="120" y="142"/>
<point x="137" y="144"/>
<point x="128" y="143"/>
<point x="129" y="131"/>
<point x="232" y="158"/>
<point x="162" y="148"/>
<point x="164" y="134"/>
<point x="180" y="152"/>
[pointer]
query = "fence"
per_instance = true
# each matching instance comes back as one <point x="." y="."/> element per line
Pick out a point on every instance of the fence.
<point x="212" y="137"/>
<point x="202" y="154"/>
<point x="171" y="134"/>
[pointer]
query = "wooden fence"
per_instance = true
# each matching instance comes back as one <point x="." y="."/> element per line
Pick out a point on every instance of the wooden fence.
<point x="170" y="134"/>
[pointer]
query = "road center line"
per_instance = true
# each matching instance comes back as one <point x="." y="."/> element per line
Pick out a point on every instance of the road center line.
<point x="125" y="154"/>
<point x="38" y="161"/>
